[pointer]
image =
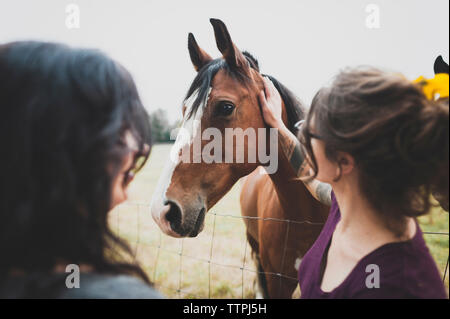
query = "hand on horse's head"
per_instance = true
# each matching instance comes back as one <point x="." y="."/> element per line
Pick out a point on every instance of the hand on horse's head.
<point x="270" y="101"/>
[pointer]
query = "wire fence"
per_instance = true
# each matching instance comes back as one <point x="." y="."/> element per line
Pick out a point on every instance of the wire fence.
<point x="179" y="273"/>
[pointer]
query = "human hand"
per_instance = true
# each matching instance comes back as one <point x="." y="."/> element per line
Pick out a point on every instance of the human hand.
<point x="270" y="101"/>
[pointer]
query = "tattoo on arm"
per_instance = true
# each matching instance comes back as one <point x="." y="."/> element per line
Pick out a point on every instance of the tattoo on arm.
<point x="293" y="151"/>
<point x="303" y="171"/>
<point x="323" y="192"/>
<point x="287" y="145"/>
<point x="297" y="159"/>
<point x="291" y="148"/>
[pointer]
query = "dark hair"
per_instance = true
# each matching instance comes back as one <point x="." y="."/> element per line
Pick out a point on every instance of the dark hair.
<point x="63" y="115"/>
<point x="398" y="139"/>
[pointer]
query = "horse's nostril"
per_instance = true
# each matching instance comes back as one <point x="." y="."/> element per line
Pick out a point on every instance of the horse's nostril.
<point x="173" y="216"/>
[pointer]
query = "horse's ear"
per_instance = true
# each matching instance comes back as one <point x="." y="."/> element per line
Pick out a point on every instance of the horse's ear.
<point x="440" y="66"/>
<point x="230" y="52"/>
<point x="199" y="57"/>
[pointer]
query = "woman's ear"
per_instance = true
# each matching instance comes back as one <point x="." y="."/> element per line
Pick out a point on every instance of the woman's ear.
<point x="346" y="163"/>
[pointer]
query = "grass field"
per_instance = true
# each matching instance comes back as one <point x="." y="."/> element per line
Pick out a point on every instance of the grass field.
<point x="217" y="263"/>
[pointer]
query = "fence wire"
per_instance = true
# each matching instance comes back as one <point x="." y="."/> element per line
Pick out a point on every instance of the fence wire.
<point x="143" y="207"/>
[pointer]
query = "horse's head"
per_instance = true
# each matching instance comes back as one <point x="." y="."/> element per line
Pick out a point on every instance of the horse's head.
<point x="221" y="138"/>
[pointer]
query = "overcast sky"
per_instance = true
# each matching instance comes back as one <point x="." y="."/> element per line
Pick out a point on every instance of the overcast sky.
<point x="303" y="43"/>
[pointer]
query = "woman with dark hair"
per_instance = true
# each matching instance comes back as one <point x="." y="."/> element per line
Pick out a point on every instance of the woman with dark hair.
<point x="374" y="148"/>
<point x="73" y="133"/>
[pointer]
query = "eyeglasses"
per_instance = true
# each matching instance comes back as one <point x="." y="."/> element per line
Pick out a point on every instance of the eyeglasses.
<point x="139" y="159"/>
<point x="299" y="126"/>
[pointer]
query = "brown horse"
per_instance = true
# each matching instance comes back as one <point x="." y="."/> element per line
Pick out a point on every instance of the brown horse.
<point x="282" y="218"/>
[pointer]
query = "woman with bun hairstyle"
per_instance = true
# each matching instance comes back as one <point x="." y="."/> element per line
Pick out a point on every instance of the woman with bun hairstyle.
<point x="374" y="148"/>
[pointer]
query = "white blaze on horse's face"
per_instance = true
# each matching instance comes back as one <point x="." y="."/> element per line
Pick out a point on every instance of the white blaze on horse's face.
<point x="167" y="212"/>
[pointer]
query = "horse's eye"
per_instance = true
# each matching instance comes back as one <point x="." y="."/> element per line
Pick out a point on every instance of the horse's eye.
<point x="225" y="109"/>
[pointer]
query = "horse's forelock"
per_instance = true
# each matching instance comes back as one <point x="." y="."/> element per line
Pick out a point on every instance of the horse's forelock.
<point x="202" y="82"/>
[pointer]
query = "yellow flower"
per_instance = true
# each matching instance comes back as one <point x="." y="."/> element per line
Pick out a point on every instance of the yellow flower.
<point x="435" y="88"/>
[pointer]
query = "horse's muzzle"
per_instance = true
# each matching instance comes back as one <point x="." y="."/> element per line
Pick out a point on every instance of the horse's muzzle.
<point x="182" y="223"/>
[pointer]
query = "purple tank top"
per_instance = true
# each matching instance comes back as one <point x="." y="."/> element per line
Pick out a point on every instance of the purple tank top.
<point x="406" y="269"/>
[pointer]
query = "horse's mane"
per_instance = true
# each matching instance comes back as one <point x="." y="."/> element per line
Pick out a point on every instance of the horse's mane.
<point x="202" y="82"/>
